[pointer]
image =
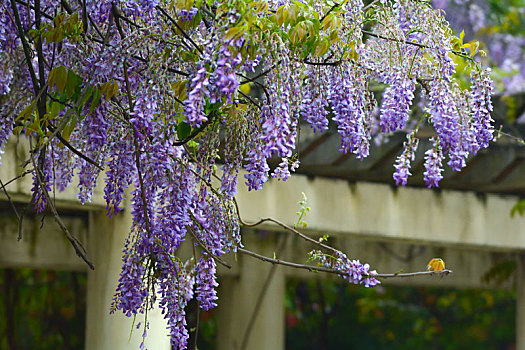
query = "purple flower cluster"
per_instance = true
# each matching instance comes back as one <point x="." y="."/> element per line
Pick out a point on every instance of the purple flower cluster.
<point x="194" y="103"/>
<point x="223" y="81"/>
<point x="352" y="270"/>
<point x="443" y="114"/>
<point x="314" y="104"/>
<point x="403" y="162"/>
<point x="6" y="128"/>
<point x="135" y="135"/>
<point x="433" y="164"/>
<point x="131" y="291"/>
<point x="481" y="107"/>
<point x="236" y="138"/>
<point x="186" y="15"/>
<point x="397" y="100"/>
<point x="206" y="283"/>
<point x="257" y="165"/>
<point x="278" y="127"/>
<point x="350" y="105"/>
<point x="119" y="174"/>
<point x="282" y="172"/>
<point x="175" y="290"/>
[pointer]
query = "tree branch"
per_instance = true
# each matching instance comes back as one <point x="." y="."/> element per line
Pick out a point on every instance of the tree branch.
<point x="77" y="245"/>
<point x="178" y="27"/>
<point x="283" y="225"/>
<point x="73" y="149"/>
<point x="337" y="272"/>
<point x="219" y="260"/>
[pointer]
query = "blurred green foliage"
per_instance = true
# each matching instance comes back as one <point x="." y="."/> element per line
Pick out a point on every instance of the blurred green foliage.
<point x="42" y="309"/>
<point x="330" y="315"/>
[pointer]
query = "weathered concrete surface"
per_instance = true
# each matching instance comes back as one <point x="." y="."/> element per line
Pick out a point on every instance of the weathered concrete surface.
<point x="381" y="211"/>
<point x="239" y="297"/>
<point x="42" y="245"/>
<point x="15" y="155"/>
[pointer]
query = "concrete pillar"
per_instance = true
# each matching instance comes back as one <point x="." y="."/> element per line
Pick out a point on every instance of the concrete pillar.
<point x="520" y="303"/>
<point x="105" y="331"/>
<point x="238" y="297"/>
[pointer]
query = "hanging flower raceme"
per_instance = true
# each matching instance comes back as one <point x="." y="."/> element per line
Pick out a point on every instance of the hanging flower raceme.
<point x="314" y="105"/>
<point x="352" y="270"/>
<point x="433" y="164"/>
<point x="350" y="105"/>
<point x="206" y="283"/>
<point x="194" y="103"/>
<point x="481" y="107"/>
<point x="404" y="161"/>
<point x="397" y="100"/>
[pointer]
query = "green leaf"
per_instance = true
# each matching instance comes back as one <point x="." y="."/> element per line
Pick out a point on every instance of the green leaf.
<point x="54" y="109"/>
<point x="57" y="77"/>
<point x="109" y="89"/>
<point x="68" y="129"/>
<point x="26" y="111"/>
<point x="183" y="130"/>
<point x="519" y="208"/>
<point x="234" y="32"/>
<point x="94" y="101"/>
<point x="73" y="83"/>
<point x="280" y="15"/>
<point x="321" y="48"/>
<point x="85" y="97"/>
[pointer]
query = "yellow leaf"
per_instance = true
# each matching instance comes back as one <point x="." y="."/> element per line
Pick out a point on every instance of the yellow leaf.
<point x="436" y="264"/>
<point x="245" y="88"/>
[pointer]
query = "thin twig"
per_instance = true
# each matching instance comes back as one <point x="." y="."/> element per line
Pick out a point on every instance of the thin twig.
<point x="9" y="199"/>
<point x="329" y="270"/>
<point x="16" y="178"/>
<point x="73" y="149"/>
<point x="379" y="36"/>
<point x="250" y="99"/>
<point x="219" y="260"/>
<point x="20" y="222"/>
<point x="179" y="28"/>
<point x="283" y="225"/>
<point x="77" y="245"/>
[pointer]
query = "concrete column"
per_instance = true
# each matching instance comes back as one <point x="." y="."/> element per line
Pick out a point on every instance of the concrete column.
<point x="238" y="297"/>
<point x="520" y="303"/>
<point x="105" y="331"/>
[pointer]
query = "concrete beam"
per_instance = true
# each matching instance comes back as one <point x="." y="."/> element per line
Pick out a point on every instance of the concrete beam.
<point x="16" y="153"/>
<point x="381" y="211"/>
<point x="43" y="245"/>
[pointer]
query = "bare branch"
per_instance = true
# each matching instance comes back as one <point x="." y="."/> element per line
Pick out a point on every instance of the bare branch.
<point x="283" y="225"/>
